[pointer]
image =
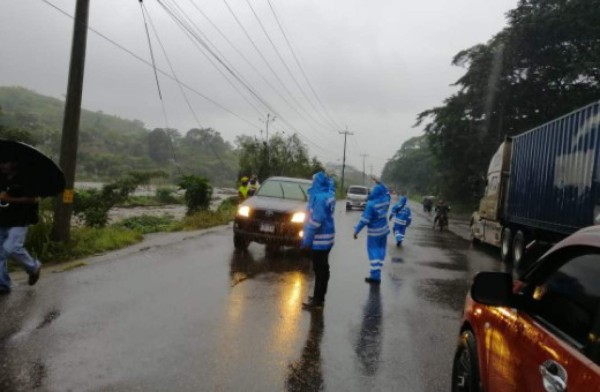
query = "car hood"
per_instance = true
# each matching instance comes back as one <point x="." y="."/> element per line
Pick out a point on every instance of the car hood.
<point x="275" y="204"/>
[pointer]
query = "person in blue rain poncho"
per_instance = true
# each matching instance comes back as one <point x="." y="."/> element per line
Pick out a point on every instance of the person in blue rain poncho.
<point x="375" y="218"/>
<point x="402" y="218"/>
<point x="319" y="235"/>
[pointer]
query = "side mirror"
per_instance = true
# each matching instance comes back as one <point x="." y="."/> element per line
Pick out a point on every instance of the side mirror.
<point x="493" y="288"/>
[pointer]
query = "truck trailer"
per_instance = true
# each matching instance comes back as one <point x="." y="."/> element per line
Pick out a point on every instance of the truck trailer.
<point x="542" y="185"/>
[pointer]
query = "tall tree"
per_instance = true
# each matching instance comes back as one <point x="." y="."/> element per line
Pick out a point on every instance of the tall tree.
<point x="545" y="63"/>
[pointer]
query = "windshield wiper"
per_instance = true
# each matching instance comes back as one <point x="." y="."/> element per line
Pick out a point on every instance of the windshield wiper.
<point x="282" y="191"/>
<point x="304" y="193"/>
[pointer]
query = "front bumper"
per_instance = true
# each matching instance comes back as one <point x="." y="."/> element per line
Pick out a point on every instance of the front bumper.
<point x="285" y="233"/>
<point x="356" y="203"/>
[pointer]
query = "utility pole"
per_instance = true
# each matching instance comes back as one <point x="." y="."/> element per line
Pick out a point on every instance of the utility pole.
<point x="345" y="133"/>
<point x="70" y="131"/>
<point x="363" y="157"/>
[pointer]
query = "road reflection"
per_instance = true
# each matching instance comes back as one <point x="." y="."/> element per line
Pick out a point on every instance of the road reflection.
<point x="368" y="345"/>
<point x="305" y="374"/>
<point x="244" y="265"/>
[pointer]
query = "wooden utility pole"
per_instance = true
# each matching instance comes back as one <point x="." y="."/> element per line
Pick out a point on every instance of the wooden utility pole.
<point x="363" y="157"/>
<point x="70" y="132"/>
<point x="345" y="133"/>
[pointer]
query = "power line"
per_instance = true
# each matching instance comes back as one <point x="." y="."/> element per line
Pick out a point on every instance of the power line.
<point x="262" y="56"/>
<point x="283" y="61"/>
<point x="187" y="86"/>
<point x="160" y="97"/>
<point x="200" y="41"/>
<point x="300" y="64"/>
<point x="180" y="88"/>
<point x="283" y="98"/>
<point x="166" y="74"/>
<point x="229" y="70"/>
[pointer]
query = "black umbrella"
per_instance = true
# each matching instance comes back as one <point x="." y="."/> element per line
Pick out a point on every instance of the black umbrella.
<point x="46" y="178"/>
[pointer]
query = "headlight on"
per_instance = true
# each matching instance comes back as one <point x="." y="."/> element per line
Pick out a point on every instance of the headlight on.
<point x="298" y="217"/>
<point x="244" y="211"/>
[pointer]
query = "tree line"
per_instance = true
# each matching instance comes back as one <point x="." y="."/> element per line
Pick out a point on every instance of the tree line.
<point x="543" y="64"/>
<point x="111" y="147"/>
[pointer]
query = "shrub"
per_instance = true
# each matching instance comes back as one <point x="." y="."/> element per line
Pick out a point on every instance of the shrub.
<point x="145" y="224"/>
<point x="198" y="193"/>
<point x="166" y="196"/>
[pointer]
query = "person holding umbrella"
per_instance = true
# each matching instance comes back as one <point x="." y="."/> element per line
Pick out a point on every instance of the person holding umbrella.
<point x="18" y="210"/>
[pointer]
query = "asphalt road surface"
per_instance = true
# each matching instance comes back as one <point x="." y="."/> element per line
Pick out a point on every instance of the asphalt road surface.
<point x="190" y="314"/>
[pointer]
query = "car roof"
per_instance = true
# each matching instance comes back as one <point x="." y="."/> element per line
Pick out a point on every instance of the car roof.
<point x="290" y="179"/>
<point x="588" y="236"/>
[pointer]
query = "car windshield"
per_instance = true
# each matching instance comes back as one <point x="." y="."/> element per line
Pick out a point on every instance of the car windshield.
<point x="358" y="190"/>
<point x="284" y="190"/>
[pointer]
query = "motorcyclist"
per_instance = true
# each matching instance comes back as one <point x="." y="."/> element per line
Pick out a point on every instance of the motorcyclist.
<point x="402" y="218"/>
<point x="427" y="204"/>
<point x="441" y="212"/>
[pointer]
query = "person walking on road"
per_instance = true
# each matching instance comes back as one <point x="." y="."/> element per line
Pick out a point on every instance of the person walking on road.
<point x="18" y="210"/>
<point x="402" y="219"/>
<point x="375" y="218"/>
<point x="319" y="235"/>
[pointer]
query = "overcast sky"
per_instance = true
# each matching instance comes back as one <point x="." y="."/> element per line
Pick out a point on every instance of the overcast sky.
<point x="373" y="64"/>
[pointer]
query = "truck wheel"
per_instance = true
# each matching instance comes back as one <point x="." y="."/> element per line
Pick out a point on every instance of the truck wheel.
<point x="239" y="242"/>
<point x="506" y="245"/>
<point x="518" y="246"/>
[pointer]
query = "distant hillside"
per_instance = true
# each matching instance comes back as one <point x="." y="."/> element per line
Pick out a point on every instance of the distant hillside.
<point x="352" y="176"/>
<point x="110" y="146"/>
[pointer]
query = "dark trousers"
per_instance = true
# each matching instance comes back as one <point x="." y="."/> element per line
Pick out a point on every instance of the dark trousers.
<point x="320" y="259"/>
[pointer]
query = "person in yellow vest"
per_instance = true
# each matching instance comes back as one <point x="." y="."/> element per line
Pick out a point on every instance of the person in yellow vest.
<point x="243" y="189"/>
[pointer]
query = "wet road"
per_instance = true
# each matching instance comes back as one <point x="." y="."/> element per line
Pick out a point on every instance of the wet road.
<point x="193" y="315"/>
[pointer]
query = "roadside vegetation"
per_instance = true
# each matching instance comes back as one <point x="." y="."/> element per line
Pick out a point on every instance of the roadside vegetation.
<point x="96" y="234"/>
<point x="543" y="64"/>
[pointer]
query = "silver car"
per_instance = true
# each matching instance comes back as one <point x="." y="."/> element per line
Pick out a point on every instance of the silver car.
<point x="356" y="197"/>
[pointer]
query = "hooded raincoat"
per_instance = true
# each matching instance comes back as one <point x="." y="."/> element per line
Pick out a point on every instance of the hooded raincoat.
<point x="375" y="218"/>
<point x="402" y="218"/>
<point x="319" y="227"/>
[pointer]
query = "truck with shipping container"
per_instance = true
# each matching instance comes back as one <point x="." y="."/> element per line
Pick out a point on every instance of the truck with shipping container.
<point x="542" y="185"/>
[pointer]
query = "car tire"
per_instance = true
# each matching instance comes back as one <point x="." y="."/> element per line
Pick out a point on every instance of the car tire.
<point x="465" y="368"/>
<point x="506" y="243"/>
<point x="240" y="242"/>
<point x="518" y="249"/>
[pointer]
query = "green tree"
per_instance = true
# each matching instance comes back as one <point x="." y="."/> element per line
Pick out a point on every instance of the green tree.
<point x="281" y="156"/>
<point x="198" y="193"/>
<point x="412" y="168"/>
<point x="545" y="63"/>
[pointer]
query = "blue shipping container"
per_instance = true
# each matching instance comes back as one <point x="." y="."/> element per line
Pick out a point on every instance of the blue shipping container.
<point x="554" y="179"/>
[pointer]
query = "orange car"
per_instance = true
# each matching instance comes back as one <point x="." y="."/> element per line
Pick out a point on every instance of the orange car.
<point x="540" y="332"/>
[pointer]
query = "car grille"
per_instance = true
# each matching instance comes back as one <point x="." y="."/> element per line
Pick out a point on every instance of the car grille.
<point x="271" y="216"/>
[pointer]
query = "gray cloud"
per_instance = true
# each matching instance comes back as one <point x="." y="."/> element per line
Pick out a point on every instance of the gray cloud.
<point x="375" y="64"/>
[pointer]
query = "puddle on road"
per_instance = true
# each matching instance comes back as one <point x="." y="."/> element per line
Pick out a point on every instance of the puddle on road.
<point x="445" y="266"/>
<point x="447" y="293"/>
